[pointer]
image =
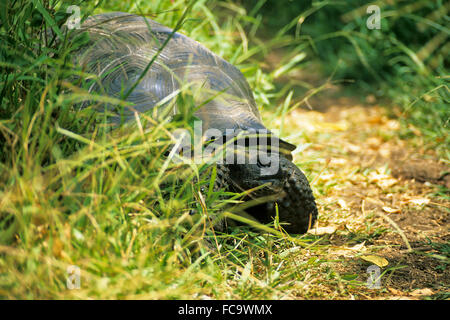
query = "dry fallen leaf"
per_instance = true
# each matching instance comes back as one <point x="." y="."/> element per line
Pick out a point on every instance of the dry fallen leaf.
<point x="419" y="201"/>
<point x="422" y="292"/>
<point x="385" y="151"/>
<point x="319" y="231"/>
<point x="342" y="204"/>
<point x="358" y="247"/>
<point x="375" y="176"/>
<point x="342" y="126"/>
<point x="382" y="180"/>
<point x="352" y="148"/>
<point x="391" y="210"/>
<point x="398" y="298"/>
<point x="393" y="125"/>
<point x="386" y="183"/>
<point x="396" y="292"/>
<point x="338" y="161"/>
<point x="379" y="261"/>
<point x="374" y="142"/>
<point x="350" y="252"/>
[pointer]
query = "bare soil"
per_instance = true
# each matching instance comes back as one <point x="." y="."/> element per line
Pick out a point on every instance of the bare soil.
<point x="369" y="175"/>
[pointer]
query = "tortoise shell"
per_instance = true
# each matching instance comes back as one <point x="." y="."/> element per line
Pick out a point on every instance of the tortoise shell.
<point x="122" y="45"/>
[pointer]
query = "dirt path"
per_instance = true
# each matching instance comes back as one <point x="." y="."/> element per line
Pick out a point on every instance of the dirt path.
<point x="378" y="197"/>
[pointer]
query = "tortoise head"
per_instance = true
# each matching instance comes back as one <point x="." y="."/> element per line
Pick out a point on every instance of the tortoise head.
<point x="266" y="177"/>
<point x="281" y="183"/>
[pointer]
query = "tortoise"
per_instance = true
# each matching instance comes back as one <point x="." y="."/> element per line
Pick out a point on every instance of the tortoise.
<point x="119" y="49"/>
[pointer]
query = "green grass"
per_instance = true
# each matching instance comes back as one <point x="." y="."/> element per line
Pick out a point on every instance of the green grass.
<point x="75" y="192"/>
<point x="404" y="63"/>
